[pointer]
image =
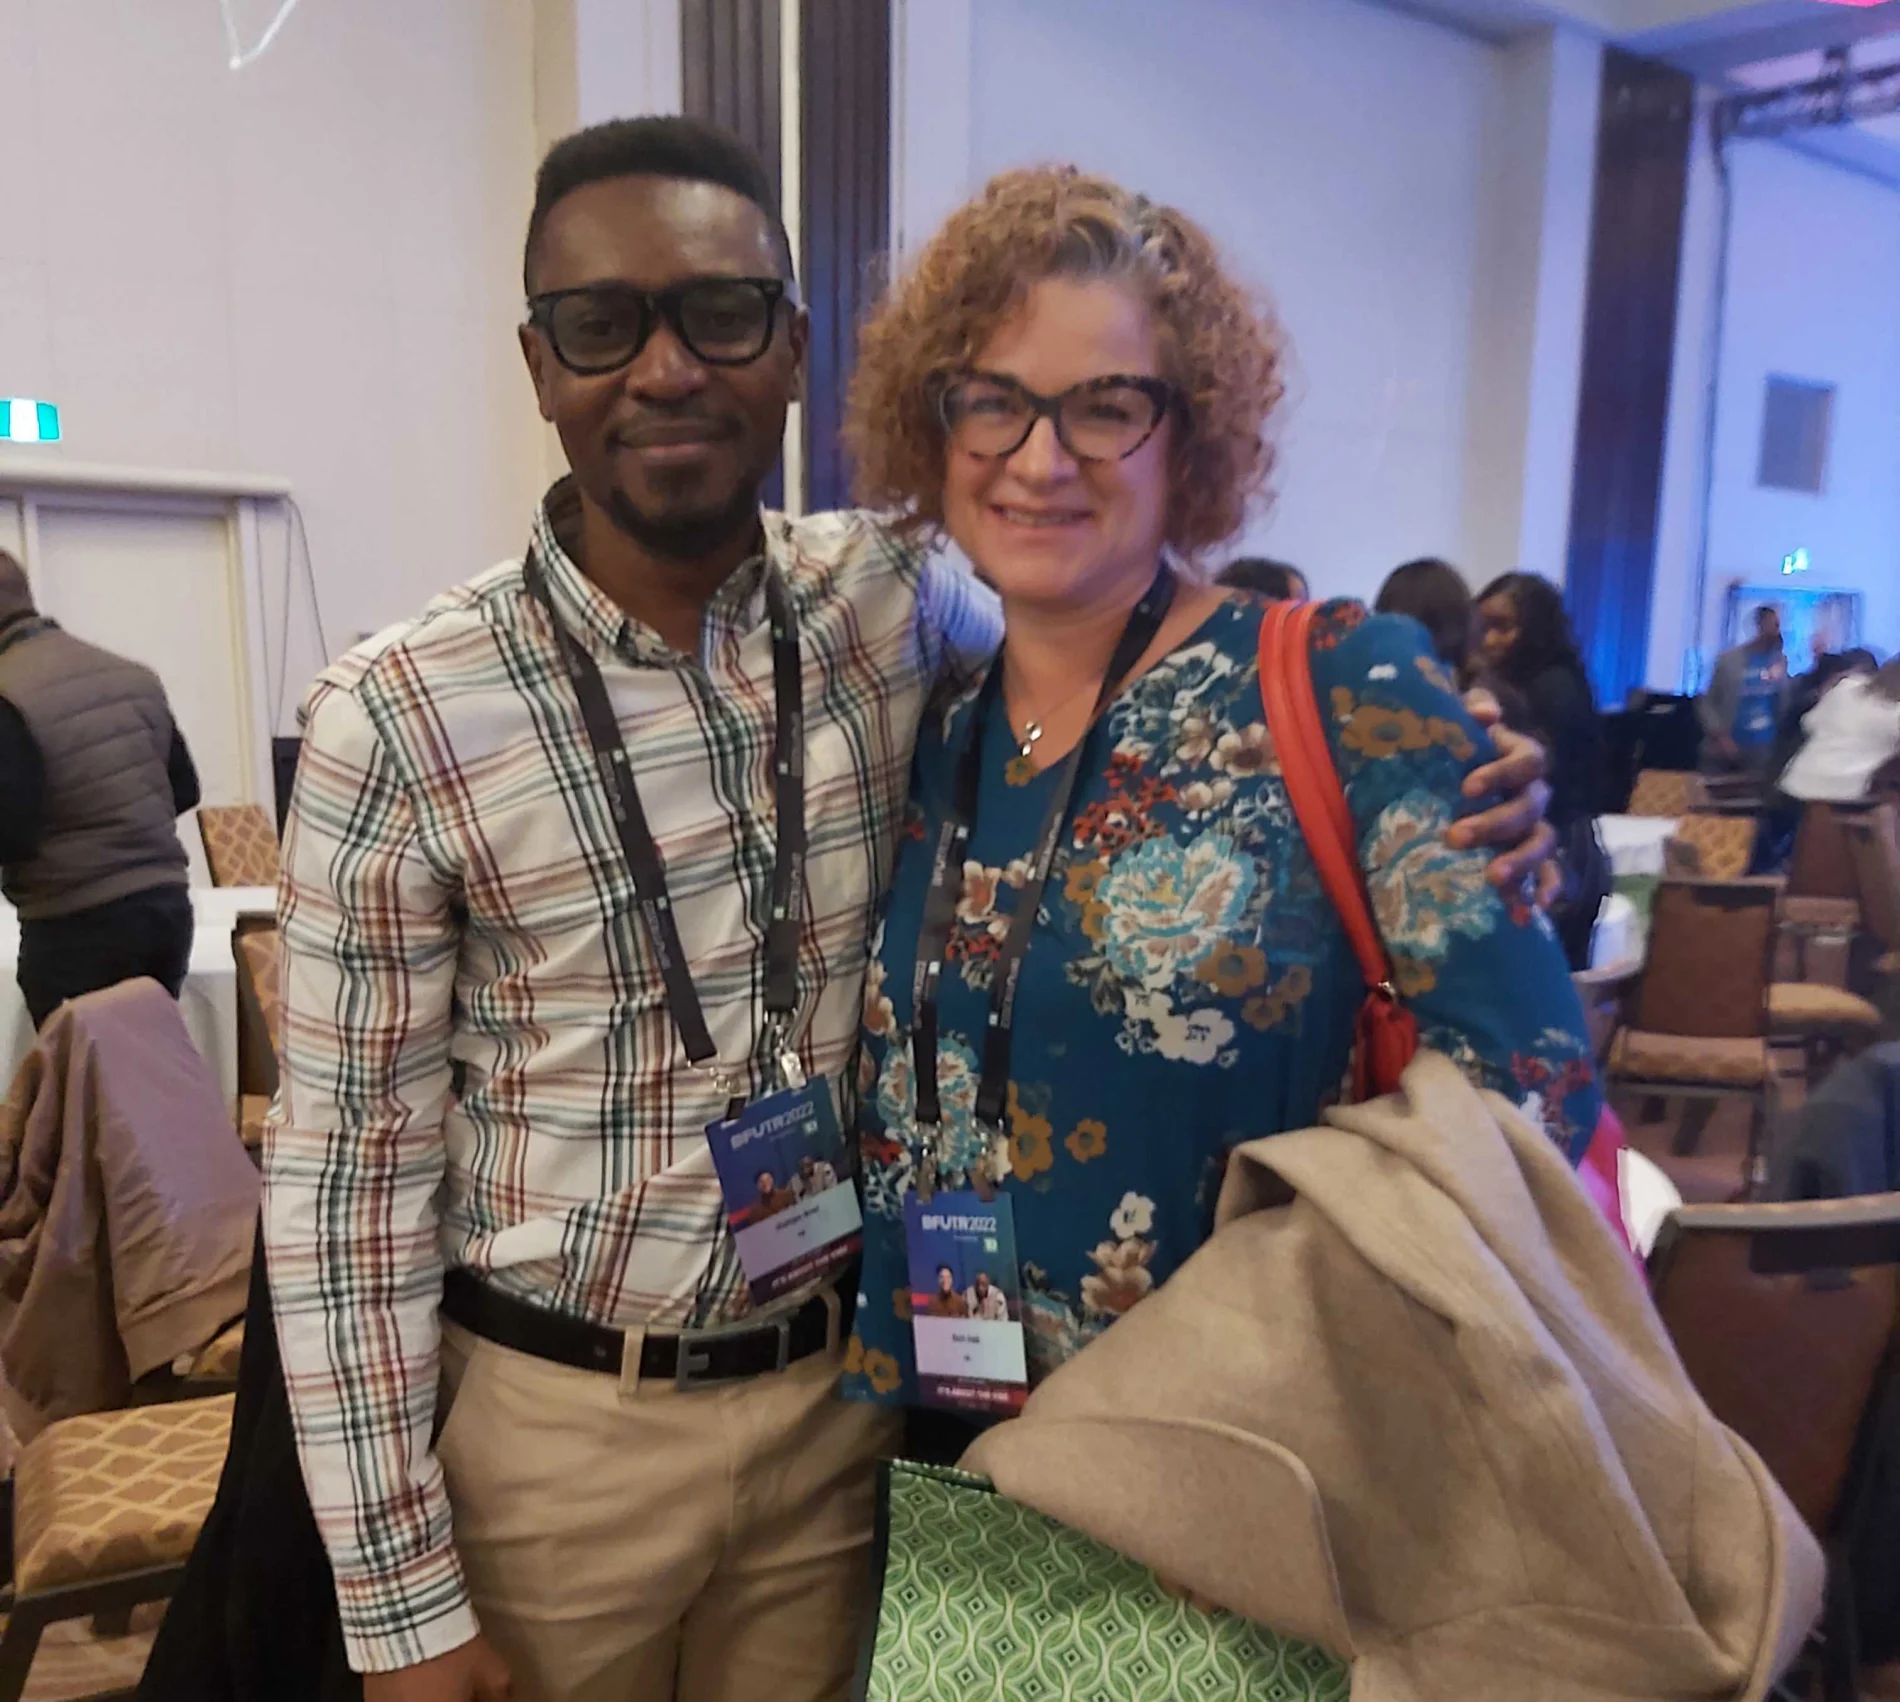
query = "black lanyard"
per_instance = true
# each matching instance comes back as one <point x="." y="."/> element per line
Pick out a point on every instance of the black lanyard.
<point x="644" y="864"/>
<point x="946" y="877"/>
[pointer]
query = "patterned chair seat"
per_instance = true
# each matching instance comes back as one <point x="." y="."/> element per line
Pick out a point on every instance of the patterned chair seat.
<point x="1689" y="1060"/>
<point x="1807" y="1007"/>
<point x="116" y="1492"/>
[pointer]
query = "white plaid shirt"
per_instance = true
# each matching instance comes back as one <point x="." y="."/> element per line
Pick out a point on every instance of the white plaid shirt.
<point x="479" y="1065"/>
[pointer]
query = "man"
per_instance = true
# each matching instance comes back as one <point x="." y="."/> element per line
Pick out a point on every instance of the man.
<point x="814" y="1177"/>
<point x="947" y="1302"/>
<point x="1743" y="703"/>
<point x="987" y="1301"/>
<point x="93" y="777"/>
<point x="770" y="1200"/>
<point x="486" y="1066"/>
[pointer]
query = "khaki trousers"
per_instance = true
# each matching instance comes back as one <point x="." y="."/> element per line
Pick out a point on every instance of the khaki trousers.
<point x="636" y="1544"/>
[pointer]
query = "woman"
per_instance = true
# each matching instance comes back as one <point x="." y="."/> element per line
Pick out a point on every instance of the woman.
<point x="1525" y="639"/>
<point x="1434" y="594"/>
<point x="1069" y="385"/>
<point x="1277" y="581"/>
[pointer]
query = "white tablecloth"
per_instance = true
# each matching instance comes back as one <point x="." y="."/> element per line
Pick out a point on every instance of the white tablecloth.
<point x="1635" y="843"/>
<point x="208" y="998"/>
<point x="1618" y="936"/>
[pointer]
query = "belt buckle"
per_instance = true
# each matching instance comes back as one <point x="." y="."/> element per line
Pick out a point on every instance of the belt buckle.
<point x="689" y="1373"/>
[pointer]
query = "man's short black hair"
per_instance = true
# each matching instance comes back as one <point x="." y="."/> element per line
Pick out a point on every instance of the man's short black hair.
<point x="651" y="147"/>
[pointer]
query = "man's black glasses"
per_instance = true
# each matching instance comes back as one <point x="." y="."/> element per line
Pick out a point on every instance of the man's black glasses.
<point x="1102" y="419"/>
<point x="601" y="327"/>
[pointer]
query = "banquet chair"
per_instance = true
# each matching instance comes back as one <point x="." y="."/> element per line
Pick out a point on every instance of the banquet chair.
<point x="1822" y="1016"/>
<point x="1821" y="905"/>
<point x="1696" y="1027"/>
<point x="1711" y="847"/>
<point x="1874" y="839"/>
<point x="1762" y="1300"/>
<point x="1664" y="792"/>
<point x="105" y="1510"/>
<point x="127" y="1218"/>
<point x="240" y="844"/>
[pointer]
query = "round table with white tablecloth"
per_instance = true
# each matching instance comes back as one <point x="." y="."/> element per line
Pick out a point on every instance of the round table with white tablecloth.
<point x="208" y="998"/>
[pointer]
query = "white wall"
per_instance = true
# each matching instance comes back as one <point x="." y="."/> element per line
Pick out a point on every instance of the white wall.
<point x="309" y="267"/>
<point x="1813" y="293"/>
<point x="1527" y="356"/>
<point x="1341" y="152"/>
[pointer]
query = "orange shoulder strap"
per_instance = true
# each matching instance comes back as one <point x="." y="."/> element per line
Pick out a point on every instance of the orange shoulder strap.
<point x="1387" y="1033"/>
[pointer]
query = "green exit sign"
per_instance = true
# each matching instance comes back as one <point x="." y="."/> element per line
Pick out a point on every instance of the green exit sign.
<point x="26" y="421"/>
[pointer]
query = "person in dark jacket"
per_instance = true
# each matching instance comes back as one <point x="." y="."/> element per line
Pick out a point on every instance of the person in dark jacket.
<point x="255" y="1617"/>
<point x="1434" y="594"/>
<point x="1524" y="638"/>
<point x="1279" y="580"/>
<point x="93" y="776"/>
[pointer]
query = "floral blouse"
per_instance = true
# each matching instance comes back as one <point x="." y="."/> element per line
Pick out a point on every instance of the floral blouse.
<point x="1188" y="986"/>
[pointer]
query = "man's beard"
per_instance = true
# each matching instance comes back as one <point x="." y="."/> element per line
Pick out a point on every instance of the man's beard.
<point x="686" y="537"/>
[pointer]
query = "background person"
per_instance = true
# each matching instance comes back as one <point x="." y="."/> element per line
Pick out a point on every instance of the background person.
<point x="1525" y="640"/>
<point x="94" y="774"/>
<point x="1434" y="594"/>
<point x="1278" y="581"/>
<point x="1851" y="734"/>
<point x="1740" y="709"/>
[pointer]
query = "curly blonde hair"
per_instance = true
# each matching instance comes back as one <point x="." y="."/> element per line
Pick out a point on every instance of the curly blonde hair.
<point x="1219" y="347"/>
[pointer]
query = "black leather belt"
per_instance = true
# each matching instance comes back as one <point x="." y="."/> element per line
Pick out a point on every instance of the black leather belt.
<point x="689" y="1359"/>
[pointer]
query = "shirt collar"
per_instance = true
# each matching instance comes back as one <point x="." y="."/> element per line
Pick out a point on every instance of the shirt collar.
<point x="738" y="604"/>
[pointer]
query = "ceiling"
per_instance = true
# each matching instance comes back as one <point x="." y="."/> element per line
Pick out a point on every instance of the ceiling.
<point x="1759" y="44"/>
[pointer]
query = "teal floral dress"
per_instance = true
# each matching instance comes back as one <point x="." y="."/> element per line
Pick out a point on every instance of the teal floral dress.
<point x="1188" y="986"/>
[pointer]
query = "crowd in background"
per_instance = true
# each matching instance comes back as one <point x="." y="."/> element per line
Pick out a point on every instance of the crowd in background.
<point x="1830" y="735"/>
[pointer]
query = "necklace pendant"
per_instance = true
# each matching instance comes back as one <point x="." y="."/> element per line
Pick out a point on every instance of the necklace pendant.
<point x="1032" y="731"/>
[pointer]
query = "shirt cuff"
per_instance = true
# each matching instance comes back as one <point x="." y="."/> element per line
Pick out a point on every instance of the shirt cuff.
<point x="401" y="1619"/>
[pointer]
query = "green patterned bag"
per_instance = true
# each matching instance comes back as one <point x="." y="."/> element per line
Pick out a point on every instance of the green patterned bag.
<point x="985" y="1600"/>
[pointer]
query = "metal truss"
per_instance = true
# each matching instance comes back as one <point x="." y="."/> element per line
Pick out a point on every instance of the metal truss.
<point x="1841" y="95"/>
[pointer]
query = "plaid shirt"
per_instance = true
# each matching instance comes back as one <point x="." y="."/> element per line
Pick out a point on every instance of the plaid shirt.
<point x="479" y="1065"/>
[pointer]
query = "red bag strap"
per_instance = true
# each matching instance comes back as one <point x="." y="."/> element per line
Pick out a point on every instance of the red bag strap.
<point x="1387" y="1033"/>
